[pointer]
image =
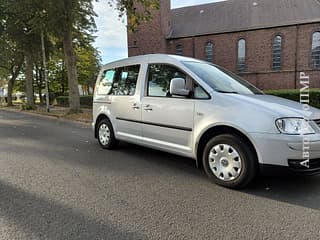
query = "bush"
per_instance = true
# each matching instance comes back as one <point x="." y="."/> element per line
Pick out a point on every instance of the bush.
<point x="52" y="97"/>
<point x="84" y="101"/>
<point x="26" y="107"/>
<point x="294" y="94"/>
<point x="63" y="101"/>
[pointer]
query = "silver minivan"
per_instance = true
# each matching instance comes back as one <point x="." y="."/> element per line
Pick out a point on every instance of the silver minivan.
<point x="199" y="110"/>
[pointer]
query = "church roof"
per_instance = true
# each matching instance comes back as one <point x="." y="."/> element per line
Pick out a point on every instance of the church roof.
<point x="241" y="15"/>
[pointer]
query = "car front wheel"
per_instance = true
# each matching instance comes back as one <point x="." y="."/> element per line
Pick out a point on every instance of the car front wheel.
<point x="229" y="161"/>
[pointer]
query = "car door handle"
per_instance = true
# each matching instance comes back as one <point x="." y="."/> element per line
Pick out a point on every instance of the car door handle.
<point x="148" y="108"/>
<point x="135" y="106"/>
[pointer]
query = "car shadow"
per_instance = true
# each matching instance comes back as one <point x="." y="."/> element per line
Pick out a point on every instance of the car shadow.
<point x="160" y="158"/>
<point x="298" y="190"/>
<point x="41" y="218"/>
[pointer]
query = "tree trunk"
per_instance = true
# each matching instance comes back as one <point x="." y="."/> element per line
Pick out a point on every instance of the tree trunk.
<point x="29" y="81"/>
<point x="70" y="59"/>
<point x="63" y="77"/>
<point x="39" y="81"/>
<point x="15" y="70"/>
<point x="10" y="90"/>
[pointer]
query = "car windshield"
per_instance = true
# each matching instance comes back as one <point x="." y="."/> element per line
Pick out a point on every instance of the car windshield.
<point x="220" y="79"/>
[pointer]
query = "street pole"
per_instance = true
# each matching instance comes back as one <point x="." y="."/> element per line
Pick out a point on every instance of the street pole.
<point x="45" y="71"/>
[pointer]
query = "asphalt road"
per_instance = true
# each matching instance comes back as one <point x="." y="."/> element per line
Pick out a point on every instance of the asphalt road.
<point x="57" y="183"/>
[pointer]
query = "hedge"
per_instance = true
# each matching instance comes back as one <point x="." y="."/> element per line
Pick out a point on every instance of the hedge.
<point x="294" y="94"/>
<point x="84" y="100"/>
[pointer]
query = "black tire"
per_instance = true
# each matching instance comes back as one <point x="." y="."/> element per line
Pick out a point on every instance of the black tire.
<point x="111" y="142"/>
<point x="247" y="157"/>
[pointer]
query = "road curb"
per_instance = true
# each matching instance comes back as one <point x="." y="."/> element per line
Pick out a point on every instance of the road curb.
<point x="87" y="123"/>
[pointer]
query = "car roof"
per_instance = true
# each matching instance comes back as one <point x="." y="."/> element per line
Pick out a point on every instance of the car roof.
<point x="156" y="58"/>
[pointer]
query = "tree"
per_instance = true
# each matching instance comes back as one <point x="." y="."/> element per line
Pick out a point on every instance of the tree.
<point x="57" y="74"/>
<point x="16" y="19"/>
<point x="137" y="11"/>
<point x="78" y="16"/>
<point x="11" y="62"/>
<point x="74" y="16"/>
<point x="88" y="66"/>
<point x="70" y="21"/>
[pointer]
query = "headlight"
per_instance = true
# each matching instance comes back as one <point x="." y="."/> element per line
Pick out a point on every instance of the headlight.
<point x="294" y="126"/>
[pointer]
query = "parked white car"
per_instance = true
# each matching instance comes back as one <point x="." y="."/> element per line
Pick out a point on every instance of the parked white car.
<point x="199" y="110"/>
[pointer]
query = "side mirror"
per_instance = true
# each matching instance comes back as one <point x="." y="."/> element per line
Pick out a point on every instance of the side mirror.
<point x="178" y="87"/>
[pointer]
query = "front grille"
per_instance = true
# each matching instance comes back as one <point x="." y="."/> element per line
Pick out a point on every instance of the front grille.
<point x="317" y="121"/>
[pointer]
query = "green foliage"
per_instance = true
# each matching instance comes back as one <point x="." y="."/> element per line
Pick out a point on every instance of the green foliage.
<point x="137" y="11"/>
<point x="62" y="100"/>
<point x="17" y="22"/>
<point x="11" y="56"/>
<point x="57" y="72"/>
<point x="294" y="94"/>
<point x="60" y="15"/>
<point x="68" y="27"/>
<point x="84" y="100"/>
<point x="25" y="107"/>
<point x="20" y="85"/>
<point x="88" y="65"/>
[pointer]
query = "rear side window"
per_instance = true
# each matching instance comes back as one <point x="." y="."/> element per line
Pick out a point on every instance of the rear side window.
<point x="106" y="81"/>
<point x="125" y="81"/>
<point x="120" y="81"/>
<point x="159" y="79"/>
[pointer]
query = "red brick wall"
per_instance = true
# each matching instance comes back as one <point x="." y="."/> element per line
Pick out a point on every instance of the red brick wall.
<point x="150" y="37"/>
<point x="296" y="50"/>
<point x="146" y="39"/>
<point x="304" y="53"/>
<point x="187" y="44"/>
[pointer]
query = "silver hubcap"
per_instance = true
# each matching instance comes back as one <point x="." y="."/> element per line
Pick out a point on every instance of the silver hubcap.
<point x="104" y="134"/>
<point x="225" y="162"/>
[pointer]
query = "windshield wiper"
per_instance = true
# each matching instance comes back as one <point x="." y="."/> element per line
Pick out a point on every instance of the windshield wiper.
<point x="222" y="91"/>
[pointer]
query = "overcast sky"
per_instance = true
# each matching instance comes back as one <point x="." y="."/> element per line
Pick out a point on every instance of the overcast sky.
<point x="112" y="37"/>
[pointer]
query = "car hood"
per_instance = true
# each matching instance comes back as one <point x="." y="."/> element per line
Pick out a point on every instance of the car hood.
<point x="279" y="106"/>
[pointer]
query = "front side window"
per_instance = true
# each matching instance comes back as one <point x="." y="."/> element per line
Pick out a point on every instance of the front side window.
<point x="179" y="49"/>
<point x="316" y="50"/>
<point x="106" y="81"/>
<point x="159" y="79"/>
<point x="209" y="51"/>
<point x="199" y="92"/>
<point x="276" y="53"/>
<point x="242" y="55"/>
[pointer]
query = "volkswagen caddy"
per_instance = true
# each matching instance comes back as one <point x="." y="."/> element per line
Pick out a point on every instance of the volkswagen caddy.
<point x="202" y="111"/>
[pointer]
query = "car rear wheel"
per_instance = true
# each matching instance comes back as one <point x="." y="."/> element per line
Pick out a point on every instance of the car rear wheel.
<point x="229" y="161"/>
<point x="105" y="135"/>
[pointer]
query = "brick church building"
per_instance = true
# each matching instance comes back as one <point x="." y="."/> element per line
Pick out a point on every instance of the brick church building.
<point x="268" y="42"/>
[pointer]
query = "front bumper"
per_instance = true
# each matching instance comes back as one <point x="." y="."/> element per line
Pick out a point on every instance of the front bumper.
<point x="277" y="170"/>
<point x="288" y="152"/>
<point x="93" y="126"/>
